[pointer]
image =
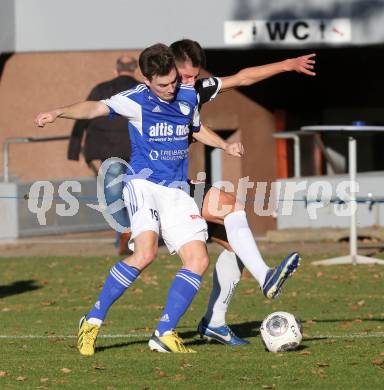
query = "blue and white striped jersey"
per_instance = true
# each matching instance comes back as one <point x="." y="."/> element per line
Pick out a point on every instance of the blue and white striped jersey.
<point x="158" y="130"/>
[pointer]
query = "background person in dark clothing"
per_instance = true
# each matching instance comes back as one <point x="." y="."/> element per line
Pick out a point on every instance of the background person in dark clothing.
<point x="108" y="137"/>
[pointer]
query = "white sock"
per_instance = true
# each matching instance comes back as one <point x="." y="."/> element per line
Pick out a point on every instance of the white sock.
<point x="225" y="278"/>
<point x="242" y="242"/>
<point x="95" y="321"/>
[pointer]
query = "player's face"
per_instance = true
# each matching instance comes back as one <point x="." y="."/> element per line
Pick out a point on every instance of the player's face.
<point x="164" y="86"/>
<point x="187" y="72"/>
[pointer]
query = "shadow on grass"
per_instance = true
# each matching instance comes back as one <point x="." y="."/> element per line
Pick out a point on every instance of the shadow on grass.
<point x="19" y="287"/>
<point x="121" y="345"/>
<point x="245" y="329"/>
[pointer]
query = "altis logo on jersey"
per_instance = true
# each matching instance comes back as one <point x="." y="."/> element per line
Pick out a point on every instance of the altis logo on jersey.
<point x="162" y="131"/>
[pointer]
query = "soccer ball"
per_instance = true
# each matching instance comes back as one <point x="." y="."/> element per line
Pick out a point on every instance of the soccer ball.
<point x="281" y="331"/>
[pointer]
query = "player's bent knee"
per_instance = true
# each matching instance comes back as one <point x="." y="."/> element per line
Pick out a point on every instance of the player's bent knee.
<point x="194" y="256"/>
<point x="144" y="258"/>
<point x="217" y="205"/>
<point x="198" y="264"/>
<point x="205" y="263"/>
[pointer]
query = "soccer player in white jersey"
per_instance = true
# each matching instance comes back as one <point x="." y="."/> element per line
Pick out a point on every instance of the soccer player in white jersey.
<point x="160" y="113"/>
<point x="231" y="230"/>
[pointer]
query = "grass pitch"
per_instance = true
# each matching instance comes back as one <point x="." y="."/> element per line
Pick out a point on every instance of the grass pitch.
<point x="42" y="299"/>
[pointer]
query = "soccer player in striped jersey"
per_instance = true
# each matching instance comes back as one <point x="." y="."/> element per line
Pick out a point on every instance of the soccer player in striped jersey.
<point x="160" y="113"/>
<point x="231" y="230"/>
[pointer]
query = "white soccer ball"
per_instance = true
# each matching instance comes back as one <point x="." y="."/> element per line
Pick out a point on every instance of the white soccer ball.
<point x="281" y="331"/>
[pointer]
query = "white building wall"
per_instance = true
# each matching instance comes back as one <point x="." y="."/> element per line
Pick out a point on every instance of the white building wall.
<point x="56" y="25"/>
<point x="7" y="26"/>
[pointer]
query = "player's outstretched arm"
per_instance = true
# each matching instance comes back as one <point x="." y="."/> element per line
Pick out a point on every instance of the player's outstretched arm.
<point x="208" y="137"/>
<point x="248" y="76"/>
<point x="82" y="110"/>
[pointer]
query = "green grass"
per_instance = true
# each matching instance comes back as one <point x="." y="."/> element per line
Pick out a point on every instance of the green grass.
<point x="341" y="308"/>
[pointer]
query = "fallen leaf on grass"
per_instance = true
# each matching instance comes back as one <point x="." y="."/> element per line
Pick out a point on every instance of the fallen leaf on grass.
<point x="44" y="380"/>
<point x="378" y="362"/>
<point x="185" y="364"/>
<point x="48" y="303"/>
<point x="160" y="373"/>
<point x="21" y="378"/>
<point x="61" y="381"/>
<point x="249" y="291"/>
<point x="149" y="279"/>
<point x="245" y="378"/>
<point x="65" y="370"/>
<point x="304" y="353"/>
<point x="99" y="367"/>
<point x="320" y="364"/>
<point x="322" y="374"/>
<point x="3" y="373"/>
<point x="272" y="386"/>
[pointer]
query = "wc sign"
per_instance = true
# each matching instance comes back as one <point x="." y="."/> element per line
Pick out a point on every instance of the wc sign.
<point x="287" y="32"/>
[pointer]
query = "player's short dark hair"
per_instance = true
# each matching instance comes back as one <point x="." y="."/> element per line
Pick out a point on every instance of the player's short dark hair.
<point x="156" y="60"/>
<point x="126" y="64"/>
<point x="188" y="50"/>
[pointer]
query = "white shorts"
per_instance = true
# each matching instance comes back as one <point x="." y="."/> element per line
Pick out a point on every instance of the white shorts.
<point x="167" y="211"/>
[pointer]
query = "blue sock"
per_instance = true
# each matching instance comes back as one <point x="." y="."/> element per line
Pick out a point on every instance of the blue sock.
<point x="180" y="296"/>
<point x="119" y="279"/>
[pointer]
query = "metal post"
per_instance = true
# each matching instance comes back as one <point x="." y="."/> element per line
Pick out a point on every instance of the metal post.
<point x="352" y="177"/>
<point x="296" y="149"/>
<point x="23" y="140"/>
<point x="5" y="162"/>
<point x="297" y="156"/>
